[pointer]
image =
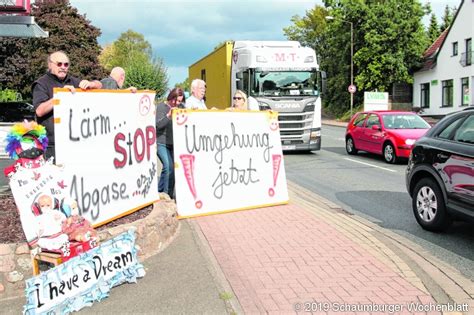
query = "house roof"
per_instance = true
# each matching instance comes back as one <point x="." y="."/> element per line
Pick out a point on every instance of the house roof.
<point x="431" y="54"/>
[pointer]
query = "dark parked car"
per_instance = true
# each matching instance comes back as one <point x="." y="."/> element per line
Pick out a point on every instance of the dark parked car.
<point x="388" y="133"/>
<point x="440" y="172"/>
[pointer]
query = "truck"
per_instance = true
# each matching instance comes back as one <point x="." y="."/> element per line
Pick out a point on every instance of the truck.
<point x="282" y="76"/>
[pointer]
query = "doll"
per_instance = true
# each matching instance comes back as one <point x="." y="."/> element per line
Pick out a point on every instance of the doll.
<point x="49" y="225"/>
<point x="75" y="226"/>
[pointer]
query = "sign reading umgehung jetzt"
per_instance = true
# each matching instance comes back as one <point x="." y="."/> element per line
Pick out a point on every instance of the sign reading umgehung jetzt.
<point x="107" y="140"/>
<point x="226" y="161"/>
<point x="84" y="279"/>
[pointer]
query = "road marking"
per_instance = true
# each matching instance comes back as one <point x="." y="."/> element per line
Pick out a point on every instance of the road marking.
<point x="368" y="164"/>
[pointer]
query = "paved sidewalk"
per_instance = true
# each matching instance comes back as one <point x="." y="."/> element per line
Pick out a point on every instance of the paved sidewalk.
<point x="179" y="280"/>
<point x="333" y="122"/>
<point x="306" y="257"/>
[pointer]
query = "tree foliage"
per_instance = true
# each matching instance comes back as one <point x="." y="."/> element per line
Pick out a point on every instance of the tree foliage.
<point x="447" y="18"/>
<point x="185" y="85"/>
<point x="24" y="60"/>
<point x="133" y="53"/>
<point x="308" y="30"/>
<point x="388" y="41"/>
<point x="433" y="29"/>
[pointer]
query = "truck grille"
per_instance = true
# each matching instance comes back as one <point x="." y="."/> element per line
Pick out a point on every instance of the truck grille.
<point x="291" y="132"/>
<point x="293" y="118"/>
<point x="291" y="126"/>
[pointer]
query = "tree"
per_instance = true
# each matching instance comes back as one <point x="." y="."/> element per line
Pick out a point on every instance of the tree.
<point x="133" y="53"/>
<point x="388" y="42"/>
<point x="130" y="46"/>
<point x="185" y="85"/>
<point x="308" y="29"/>
<point x="433" y="30"/>
<point x="69" y="31"/>
<point x="149" y="75"/>
<point x="447" y="18"/>
<point x="394" y="42"/>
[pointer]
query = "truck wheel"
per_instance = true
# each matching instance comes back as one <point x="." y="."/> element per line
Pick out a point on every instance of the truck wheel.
<point x="428" y="206"/>
<point x="350" y="146"/>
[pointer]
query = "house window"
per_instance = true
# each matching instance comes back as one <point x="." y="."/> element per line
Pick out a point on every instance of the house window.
<point x="447" y="93"/>
<point x="203" y="75"/>
<point x="468" y="51"/>
<point x="455" y="48"/>
<point x="464" y="91"/>
<point x="425" y="95"/>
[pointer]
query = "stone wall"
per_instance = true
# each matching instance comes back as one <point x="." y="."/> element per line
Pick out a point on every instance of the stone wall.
<point x="153" y="234"/>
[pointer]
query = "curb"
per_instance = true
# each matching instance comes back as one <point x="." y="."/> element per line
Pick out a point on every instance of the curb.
<point x="428" y="273"/>
<point x="232" y="304"/>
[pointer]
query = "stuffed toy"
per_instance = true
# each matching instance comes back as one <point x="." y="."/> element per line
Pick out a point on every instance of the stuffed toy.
<point x="26" y="143"/>
<point x="75" y="226"/>
<point x="49" y="225"/>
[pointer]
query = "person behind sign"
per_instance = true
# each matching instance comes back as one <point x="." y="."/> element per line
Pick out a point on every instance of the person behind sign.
<point x="115" y="80"/>
<point x="57" y="77"/>
<point x="196" y="100"/>
<point x="164" y="139"/>
<point x="239" y="101"/>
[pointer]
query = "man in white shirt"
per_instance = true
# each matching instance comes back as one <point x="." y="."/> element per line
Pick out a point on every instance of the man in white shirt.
<point x="196" y="100"/>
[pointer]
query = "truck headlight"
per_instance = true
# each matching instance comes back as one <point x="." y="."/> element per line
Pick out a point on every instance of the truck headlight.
<point x="315" y="134"/>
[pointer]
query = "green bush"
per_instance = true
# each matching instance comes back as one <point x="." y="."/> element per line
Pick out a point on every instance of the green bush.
<point x="8" y="95"/>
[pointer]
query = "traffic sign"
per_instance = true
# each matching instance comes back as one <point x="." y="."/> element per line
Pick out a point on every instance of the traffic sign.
<point x="352" y="89"/>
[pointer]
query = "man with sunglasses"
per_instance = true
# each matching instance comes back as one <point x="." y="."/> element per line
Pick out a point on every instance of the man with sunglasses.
<point x="56" y="77"/>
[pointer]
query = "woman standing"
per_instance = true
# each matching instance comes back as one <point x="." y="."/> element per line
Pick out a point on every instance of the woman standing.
<point x="239" y="101"/>
<point x="164" y="139"/>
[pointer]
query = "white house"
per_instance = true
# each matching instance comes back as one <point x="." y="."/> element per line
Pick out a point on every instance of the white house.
<point x="445" y="82"/>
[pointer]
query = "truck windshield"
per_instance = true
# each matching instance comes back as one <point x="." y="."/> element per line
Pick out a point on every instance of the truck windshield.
<point x="284" y="83"/>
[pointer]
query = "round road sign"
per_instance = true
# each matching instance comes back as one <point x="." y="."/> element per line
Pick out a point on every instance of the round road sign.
<point x="352" y="88"/>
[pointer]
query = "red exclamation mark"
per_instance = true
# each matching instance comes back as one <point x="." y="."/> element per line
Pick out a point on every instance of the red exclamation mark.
<point x="276" y="160"/>
<point x="188" y="167"/>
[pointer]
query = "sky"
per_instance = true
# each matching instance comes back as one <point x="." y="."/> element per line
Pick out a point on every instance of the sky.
<point x="183" y="31"/>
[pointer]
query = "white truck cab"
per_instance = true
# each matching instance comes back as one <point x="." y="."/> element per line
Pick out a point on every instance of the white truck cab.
<point x="282" y="76"/>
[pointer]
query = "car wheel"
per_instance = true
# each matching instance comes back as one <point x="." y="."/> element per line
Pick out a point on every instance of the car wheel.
<point x="389" y="154"/>
<point x="428" y="206"/>
<point x="350" y="146"/>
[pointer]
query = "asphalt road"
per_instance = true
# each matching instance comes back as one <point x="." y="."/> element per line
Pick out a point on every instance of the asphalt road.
<point x="367" y="186"/>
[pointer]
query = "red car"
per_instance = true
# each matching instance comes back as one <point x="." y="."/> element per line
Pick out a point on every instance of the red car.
<point x="389" y="133"/>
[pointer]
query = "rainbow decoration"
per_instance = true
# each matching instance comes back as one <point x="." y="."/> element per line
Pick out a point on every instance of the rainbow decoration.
<point x="36" y="132"/>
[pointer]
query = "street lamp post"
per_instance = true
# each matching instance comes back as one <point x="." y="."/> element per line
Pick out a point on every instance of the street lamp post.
<point x="352" y="54"/>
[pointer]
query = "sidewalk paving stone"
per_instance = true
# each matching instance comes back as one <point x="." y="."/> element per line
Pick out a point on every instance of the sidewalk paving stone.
<point x="327" y="265"/>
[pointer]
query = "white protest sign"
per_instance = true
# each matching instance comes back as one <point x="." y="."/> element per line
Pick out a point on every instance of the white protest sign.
<point x="84" y="279"/>
<point x="375" y="101"/>
<point x="107" y="140"/>
<point x="28" y="186"/>
<point x="227" y="161"/>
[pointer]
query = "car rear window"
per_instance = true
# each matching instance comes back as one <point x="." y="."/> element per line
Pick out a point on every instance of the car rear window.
<point x="465" y="132"/>
<point x="448" y="131"/>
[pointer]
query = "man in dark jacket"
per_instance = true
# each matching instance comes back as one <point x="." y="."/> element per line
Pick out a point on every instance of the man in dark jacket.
<point x="56" y="77"/>
<point x="115" y="80"/>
